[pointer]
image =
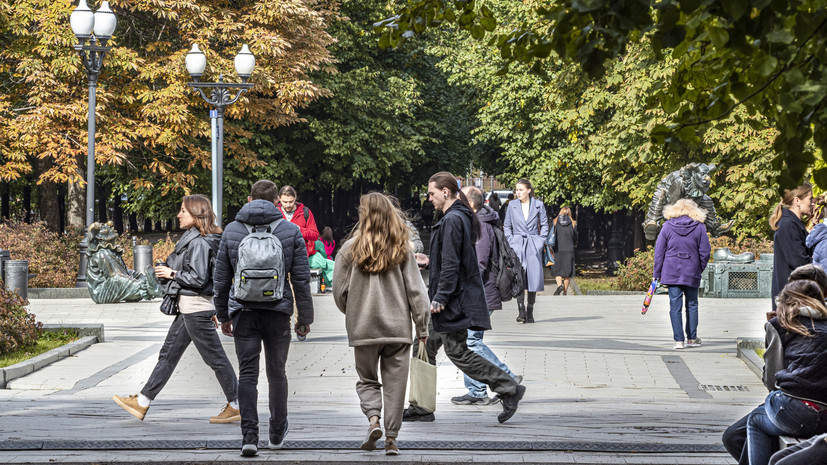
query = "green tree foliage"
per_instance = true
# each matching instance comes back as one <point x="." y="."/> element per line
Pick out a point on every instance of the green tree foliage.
<point x="765" y="57"/>
<point x="586" y="141"/>
<point x="390" y="117"/>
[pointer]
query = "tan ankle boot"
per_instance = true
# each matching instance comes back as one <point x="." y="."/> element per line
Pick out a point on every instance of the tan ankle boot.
<point x="390" y="446"/>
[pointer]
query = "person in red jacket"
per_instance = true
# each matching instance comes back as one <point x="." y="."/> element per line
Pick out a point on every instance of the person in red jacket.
<point x="301" y="216"/>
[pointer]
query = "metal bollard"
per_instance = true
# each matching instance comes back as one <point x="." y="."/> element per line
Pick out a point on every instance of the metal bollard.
<point x="17" y="277"/>
<point x="4" y="257"/>
<point x="141" y="257"/>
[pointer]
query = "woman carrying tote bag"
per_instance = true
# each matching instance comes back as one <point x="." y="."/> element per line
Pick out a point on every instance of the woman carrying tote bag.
<point x="380" y="291"/>
<point x="188" y="273"/>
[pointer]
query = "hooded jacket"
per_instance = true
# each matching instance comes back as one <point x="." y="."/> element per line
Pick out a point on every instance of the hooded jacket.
<point x="454" y="279"/>
<point x="307" y="226"/>
<point x="789" y="250"/>
<point x="262" y="212"/>
<point x="804" y="371"/>
<point x="487" y="254"/>
<point x="193" y="260"/>
<point x="681" y="252"/>
<point x="817" y="242"/>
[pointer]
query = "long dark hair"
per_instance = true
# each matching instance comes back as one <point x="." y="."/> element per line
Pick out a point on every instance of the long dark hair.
<point x="446" y="180"/>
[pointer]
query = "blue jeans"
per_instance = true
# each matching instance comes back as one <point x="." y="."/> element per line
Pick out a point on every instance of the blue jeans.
<point x="474" y="342"/>
<point x="780" y="415"/>
<point x="675" y="305"/>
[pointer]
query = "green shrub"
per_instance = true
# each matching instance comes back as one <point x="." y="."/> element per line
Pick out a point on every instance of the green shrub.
<point x="18" y="328"/>
<point x="52" y="257"/>
<point x="636" y="273"/>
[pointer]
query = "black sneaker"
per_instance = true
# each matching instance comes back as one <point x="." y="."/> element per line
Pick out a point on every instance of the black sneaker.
<point x="417" y="414"/>
<point x="510" y="402"/>
<point x="468" y="399"/>
<point x="249" y="445"/>
<point x="559" y="290"/>
<point x="277" y="440"/>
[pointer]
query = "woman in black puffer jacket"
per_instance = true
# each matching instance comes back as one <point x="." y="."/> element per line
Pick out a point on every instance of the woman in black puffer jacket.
<point x="188" y="275"/>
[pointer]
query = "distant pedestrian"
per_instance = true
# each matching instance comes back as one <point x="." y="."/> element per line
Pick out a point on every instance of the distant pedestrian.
<point x="328" y="241"/>
<point x="457" y="296"/>
<point x="487" y="255"/>
<point x="188" y="273"/>
<point x="380" y="291"/>
<point x="298" y="214"/>
<point x="264" y="320"/>
<point x="323" y="263"/>
<point x="503" y="212"/>
<point x="494" y="201"/>
<point x="817" y="238"/>
<point x="526" y="228"/>
<point x="789" y="242"/>
<point x="565" y="228"/>
<point x="427" y="214"/>
<point x="413" y="233"/>
<point x="681" y="254"/>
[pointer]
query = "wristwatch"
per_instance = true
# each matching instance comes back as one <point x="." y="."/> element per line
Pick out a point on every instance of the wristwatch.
<point x="172" y="274"/>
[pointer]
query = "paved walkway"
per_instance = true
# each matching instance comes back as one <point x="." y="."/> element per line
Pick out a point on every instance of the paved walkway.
<point x="604" y="386"/>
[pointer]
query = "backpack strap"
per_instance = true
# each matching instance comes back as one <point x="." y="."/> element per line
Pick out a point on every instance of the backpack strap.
<point x="306" y="213"/>
<point x="274" y="224"/>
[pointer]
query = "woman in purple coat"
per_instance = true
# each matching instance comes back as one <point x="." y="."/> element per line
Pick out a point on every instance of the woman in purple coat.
<point x="681" y="254"/>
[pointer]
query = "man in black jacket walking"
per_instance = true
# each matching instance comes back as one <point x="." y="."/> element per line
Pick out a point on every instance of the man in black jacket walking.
<point x="253" y="323"/>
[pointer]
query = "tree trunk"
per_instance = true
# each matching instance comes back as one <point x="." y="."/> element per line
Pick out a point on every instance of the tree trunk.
<point x="5" y="206"/>
<point x="27" y="204"/>
<point x="117" y="215"/>
<point x="75" y="206"/>
<point x="47" y="198"/>
<point x="101" y="195"/>
<point x="133" y="224"/>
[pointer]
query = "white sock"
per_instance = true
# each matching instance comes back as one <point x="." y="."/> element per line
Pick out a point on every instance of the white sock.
<point x="143" y="400"/>
<point x="234" y="404"/>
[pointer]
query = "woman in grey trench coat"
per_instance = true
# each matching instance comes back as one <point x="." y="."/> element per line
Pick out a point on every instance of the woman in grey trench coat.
<point x="526" y="228"/>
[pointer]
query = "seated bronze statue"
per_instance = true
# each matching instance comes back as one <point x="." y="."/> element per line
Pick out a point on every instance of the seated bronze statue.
<point x="107" y="276"/>
<point x="690" y="182"/>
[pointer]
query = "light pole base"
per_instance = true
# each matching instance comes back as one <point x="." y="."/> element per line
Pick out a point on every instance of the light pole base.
<point x="84" y="259"/>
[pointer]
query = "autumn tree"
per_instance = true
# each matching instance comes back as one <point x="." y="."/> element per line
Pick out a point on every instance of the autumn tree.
<point x="153" y="132"/>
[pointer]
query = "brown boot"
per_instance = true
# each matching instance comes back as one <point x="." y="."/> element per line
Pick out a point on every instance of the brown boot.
<point x="390" y="446"/>
<point x="374" y="433"/>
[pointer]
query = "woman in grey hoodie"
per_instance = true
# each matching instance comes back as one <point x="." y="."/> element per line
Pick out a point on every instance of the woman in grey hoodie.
<point x="380" y="291"/>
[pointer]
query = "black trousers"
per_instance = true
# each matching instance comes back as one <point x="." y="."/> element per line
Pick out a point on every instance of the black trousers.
<point x="252" y="329"/>
<point x="468" y="361"/>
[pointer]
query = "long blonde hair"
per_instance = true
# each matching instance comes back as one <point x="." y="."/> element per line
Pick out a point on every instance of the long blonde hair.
<point x="800" y="192"/>
<point x="795" y="296"/>
<point x="380" y="237"/>
<point x="684" y="207"/>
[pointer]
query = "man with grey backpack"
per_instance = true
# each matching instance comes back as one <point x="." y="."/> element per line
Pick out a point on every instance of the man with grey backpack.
<point x="254" y="304"/>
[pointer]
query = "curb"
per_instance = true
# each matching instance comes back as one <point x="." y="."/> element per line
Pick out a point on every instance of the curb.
<point x="746" y="352"/>
<point x="33" y="364"/>
<point x="59" y="293"/>
<point x="616" y="293"/>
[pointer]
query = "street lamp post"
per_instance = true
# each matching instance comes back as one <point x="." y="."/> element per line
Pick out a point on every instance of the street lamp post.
<point x="93" y="28"/>
<point x="220" y="98"/>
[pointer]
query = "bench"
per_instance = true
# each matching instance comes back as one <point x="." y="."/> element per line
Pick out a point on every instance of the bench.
<point x="787" y="441"/>
<point x="316" y="273"/>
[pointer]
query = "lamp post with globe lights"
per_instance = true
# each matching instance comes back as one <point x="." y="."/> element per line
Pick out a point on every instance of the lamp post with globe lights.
<point x="220" y="97"/>
<point x="93" y="30"/>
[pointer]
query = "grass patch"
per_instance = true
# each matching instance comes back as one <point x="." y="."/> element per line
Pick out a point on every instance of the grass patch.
<point x="597" y="283"/>
<point x="760" y="352"/>
<point x="48" y="341"/>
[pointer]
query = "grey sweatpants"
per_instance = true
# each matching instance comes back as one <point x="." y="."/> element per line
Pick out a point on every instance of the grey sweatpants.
<point x="393" y="361"/>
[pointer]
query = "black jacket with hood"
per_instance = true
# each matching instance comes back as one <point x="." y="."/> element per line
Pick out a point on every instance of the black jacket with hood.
<point x="789" y="250"/>
<point x="454" y="278"/>
<point x="487" y="254"/>
<point x="255" y="213"/>
<point x="192" y="260"/>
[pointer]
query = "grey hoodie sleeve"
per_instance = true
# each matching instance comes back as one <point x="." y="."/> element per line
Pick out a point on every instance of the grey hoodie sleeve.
<point x="773" y="357"/>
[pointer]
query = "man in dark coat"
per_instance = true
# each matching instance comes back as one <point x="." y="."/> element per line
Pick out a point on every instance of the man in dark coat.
<point x="487" y="255"/>
<point x="457" y="297"/>
<point x="253" y="323"/>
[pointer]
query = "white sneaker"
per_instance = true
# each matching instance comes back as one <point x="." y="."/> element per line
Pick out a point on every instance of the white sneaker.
<point x="679" y="345"/>
<point x="693" y="342"/>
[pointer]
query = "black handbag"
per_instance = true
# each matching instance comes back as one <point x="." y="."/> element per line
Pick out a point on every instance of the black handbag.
<point x="169" y="306"/>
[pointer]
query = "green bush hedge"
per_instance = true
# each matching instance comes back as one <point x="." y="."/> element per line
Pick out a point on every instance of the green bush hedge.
<point x="636" y="273"/>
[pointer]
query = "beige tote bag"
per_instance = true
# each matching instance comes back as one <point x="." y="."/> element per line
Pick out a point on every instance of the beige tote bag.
<point x="423" y="381"/>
